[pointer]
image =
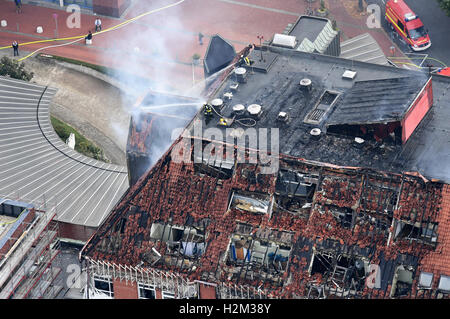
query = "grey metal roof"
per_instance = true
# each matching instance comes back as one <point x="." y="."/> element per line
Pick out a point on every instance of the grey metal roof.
<point x="36" y="166"/>
<point x="377" y="101"/>
<point x="363" y="48"/>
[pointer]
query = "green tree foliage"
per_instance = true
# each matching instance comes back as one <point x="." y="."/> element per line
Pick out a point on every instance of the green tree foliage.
<point x="445" y="5"/>
<point x="14" y="69"/>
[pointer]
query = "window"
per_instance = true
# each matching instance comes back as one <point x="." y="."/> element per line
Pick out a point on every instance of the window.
<point x="444" y="284"/>
<point x="168" y="295"/>
<point x="104" y="285"/>
<point x="418" y="33"/>
<point x="400" y="25"/>
<point x="425" y="280"/>
<point x="146" y="291"/>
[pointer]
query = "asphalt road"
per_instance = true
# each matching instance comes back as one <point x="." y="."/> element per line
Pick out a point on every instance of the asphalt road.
<point x="437" y="22"/>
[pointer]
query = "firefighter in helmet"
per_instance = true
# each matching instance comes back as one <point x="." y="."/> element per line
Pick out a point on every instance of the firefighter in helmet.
<point x="207" y="110"/>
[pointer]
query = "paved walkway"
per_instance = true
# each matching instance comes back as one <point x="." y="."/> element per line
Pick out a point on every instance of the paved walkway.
<point x="160" y="46"/>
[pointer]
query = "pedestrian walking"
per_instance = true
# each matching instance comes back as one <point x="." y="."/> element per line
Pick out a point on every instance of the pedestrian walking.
<point x="15" y="46"/>
<point x="200" y="38"/>
<point x="98" y="25"/>
<point x="18" y="6"/>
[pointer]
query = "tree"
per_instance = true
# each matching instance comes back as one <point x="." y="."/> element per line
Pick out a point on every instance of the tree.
<point x="445" y="5"/>
<point x="14" y="69"/>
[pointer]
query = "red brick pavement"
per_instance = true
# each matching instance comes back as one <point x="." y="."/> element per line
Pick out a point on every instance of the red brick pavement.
<point x="167" y="39"/>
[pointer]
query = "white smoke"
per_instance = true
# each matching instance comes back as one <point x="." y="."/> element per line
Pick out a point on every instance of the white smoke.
<point x="147" y="57"/>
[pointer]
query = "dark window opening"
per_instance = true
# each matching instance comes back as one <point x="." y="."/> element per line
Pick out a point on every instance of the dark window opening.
<point x="216" y="165"/>
<point x="294" y="192"/>
<point x="408" y="231"/>
<point x="121" y="225"/>
<point x="390" y="132"/>
<point x="322" y="264"/>
<point x="344" y="216"/>
<point x="340" y="272"/>
<point x="400" y="25"/>
<point x="104" y="285"/>
<point x="295" y="184"/>
<point x="402" y="282"/>
<point x="147" y="292"/>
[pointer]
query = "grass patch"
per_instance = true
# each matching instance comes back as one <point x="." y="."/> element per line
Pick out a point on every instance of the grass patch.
<point x="112" y="72"/>
<point x="99" y="68"/>
<point x="82" y="144"/>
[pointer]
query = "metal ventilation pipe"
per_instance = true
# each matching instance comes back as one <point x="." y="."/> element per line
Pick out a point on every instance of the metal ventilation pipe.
<point x="238" y="109"/>
<point x="283" y="117"/>
<point x="241" y="75"/>
<point x="306" y="85"/>
<point x="315" y="133"/>
<point x="255" y="110"/>
<point x="217" y="104"/>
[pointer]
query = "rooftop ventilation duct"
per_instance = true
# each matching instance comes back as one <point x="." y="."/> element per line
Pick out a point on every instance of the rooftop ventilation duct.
<point x="348" y="74"/>
<point x="217" y="103"/>
<point x="283" y="117"/>
<point x="315" y="133"/>
<point x="238" y="109"/>
<point x="254" y="110"/>
<point x="241" y="74"/>
<point x="358" y="142"/>
<point x="306" y="85"/>
<point x="286" y="41"/>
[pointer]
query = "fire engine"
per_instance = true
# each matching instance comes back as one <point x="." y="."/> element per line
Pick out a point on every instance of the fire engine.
<point x="407" y="24"/>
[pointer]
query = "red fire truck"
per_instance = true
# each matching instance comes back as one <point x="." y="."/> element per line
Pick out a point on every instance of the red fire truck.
<point x="407" y="24"/>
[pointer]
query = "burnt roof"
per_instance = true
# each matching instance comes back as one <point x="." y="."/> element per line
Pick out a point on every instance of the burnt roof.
<point x="377" y="101"/>
<point x="277" y="90"/>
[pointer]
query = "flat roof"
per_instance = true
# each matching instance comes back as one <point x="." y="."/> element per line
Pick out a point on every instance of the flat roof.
<point x="277" y="90"/>
<point x="37" y="167"/>
<point x="377" y="101"/>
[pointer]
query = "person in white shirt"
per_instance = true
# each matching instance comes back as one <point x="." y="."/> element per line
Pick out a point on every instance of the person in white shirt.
<point x="98" y="25"/>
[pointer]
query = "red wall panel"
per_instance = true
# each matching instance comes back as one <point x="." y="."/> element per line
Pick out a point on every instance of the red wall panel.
<point x="207" y="292"/>
<point x="76" y="232"/>
<point x="125" y="290"/>
<point x="417" y="111"/>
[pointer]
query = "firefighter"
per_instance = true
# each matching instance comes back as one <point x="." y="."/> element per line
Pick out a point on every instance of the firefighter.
<point x="245" y="60"/>
<point x="207" y="110"/>
<point x="248" y="61"/>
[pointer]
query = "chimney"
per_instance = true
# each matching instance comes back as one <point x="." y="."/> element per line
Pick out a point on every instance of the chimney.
<point x="241" y="75"/>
